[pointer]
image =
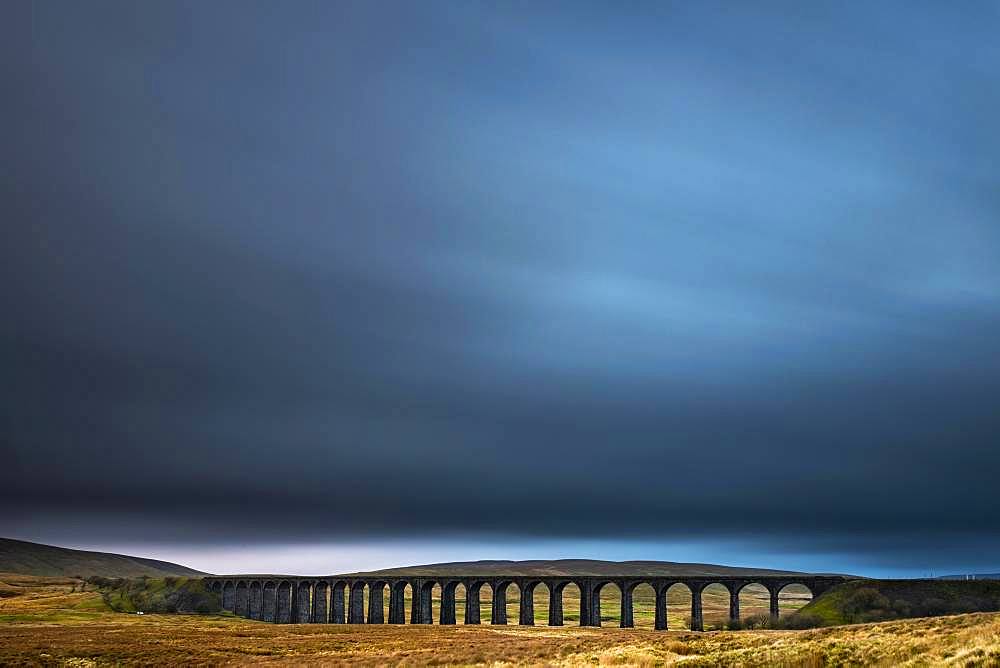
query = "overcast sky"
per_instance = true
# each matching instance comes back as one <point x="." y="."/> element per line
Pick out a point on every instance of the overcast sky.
<point x="370" y="283"/>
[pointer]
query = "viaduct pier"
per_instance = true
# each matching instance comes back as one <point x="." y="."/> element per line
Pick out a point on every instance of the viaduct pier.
<point x="341" y="599"/>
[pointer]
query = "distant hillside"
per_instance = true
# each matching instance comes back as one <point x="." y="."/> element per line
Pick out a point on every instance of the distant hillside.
<point x="18" y="556"/>
<point x="881" y="600"/>
<point x="554" y="567"/>
<point x="972" y="576"/>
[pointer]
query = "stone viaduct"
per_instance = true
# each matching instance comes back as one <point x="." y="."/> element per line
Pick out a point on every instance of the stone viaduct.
<point x="340" y="599"/>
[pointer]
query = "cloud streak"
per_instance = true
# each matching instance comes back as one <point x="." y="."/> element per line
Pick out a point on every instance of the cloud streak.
<point x="382" y="272"/>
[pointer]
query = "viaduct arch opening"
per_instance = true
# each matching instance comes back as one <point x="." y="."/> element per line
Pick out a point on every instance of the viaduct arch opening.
<point x="643" y="605"/>
<point x="400" y="594"/>
<point x="754" y="601"/>
<point x="270" y="600"/>
<point x="321" y="602"/>
<point x="678" y="598"/>
<point x="254" y="603"/>
<point x="607" y="602"/>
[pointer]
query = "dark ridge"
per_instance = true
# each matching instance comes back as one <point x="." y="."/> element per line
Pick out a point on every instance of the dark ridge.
<point x="26" y="558"/>
<point x="554" y="567"/>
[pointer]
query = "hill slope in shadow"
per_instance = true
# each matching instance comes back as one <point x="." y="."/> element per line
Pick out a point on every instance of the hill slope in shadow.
<point x="569" y="567"/>
<point x="23" y="557"/>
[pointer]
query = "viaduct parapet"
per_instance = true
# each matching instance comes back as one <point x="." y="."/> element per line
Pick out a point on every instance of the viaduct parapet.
<point x="341" y="599"/>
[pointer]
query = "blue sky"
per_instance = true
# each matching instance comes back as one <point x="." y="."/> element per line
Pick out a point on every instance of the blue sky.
<point x="693" y="282"/>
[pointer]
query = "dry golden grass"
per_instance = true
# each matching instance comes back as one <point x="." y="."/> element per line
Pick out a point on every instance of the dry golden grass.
<point x="51" y="622"/>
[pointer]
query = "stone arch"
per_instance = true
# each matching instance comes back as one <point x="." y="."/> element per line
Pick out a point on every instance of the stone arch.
<point x="397" y="601"/>
<point x="791" y="596"/>
<point x="809" y="587"/>
<point x="716" y="602"/>
<point x="556" y="587"/>
<point x="753" y="599"/>
<point x="512" y="602"/>
<point x="588" y="615"/>
<point x="677" y="599"/>
<point x="302" y="611"/>
<point x="499" y="612"/>
<point x="376" y="601"/>
<point x="527" y="591"/>
<point x="216" y="588"/>
<point x="284" y="602"/>
<point x="269" y="601"/>
<point x="242" y="599"/>
<point x="320" y="606"/>
<point x="642" y="595"/>
<point x="423" y="605"/>
<point x="356" y="602"/>
<point x="254" y="603"/>
<point x="229" y="596"/>
<point x="338" y="602"/>
<point x="612" y="611"/>
<point x="449" y="592"/>
<point x="473" y="600"/>
<point x="557" y="605"/>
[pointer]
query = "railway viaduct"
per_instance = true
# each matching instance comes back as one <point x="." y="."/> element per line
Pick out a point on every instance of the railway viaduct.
<point x="340" y="599"/>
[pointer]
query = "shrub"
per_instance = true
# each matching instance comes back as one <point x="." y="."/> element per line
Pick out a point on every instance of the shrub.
<point x="863" y="601"/>
<point x="758" y="622"/>
<point x="930" y="607"/>
<point x="902" y="608"/>
<point x="103" y="582"/>
<point x="801" y="620"/>
<point x="876" y="615"/>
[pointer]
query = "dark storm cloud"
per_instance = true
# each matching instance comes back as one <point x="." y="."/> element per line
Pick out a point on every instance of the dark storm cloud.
<point x="376" y="269"/>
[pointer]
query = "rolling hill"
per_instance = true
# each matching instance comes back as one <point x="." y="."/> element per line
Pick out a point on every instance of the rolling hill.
<point x="18" y="556"/>
<point x="554" y="567"/>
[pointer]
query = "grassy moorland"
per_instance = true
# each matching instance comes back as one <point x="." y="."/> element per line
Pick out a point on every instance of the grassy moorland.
<point x="63" y="621"/>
